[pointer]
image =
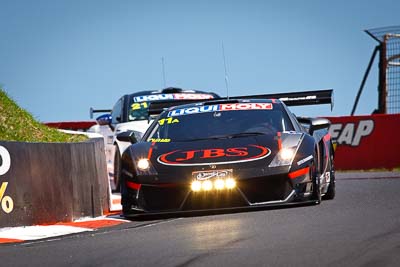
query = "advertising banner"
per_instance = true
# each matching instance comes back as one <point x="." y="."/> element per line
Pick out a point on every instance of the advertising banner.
<point x="46" y="183"/>
<point x="366" y="142"/>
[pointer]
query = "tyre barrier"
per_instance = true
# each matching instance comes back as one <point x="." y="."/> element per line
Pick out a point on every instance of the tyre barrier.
<point x="46" y="183"/>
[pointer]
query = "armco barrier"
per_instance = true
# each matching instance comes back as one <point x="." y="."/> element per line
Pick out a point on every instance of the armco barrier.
<point x="44" y="183"/>
<point x="366" y="142"/>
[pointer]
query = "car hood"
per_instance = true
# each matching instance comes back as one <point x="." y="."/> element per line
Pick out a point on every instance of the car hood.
<point x="174" y="161"/>
<point x="138" y="126"/>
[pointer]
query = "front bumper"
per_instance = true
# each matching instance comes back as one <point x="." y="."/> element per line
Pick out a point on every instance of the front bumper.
<point x="172" y="198"/>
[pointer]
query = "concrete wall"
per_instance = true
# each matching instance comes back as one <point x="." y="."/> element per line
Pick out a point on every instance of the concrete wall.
<point x="52" y="182"/>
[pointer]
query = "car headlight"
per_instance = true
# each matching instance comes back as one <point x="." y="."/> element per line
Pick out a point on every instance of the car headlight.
<point x="218" y="184"/>
<point x="207" y="185"/>
<point x="286" y="153"/>
<point x="143" y="164"/>
<point x="284" y="157"/>
<point x="144" y="167"/>
<point x="230" y="183"/>
<point x="196" y="186"/>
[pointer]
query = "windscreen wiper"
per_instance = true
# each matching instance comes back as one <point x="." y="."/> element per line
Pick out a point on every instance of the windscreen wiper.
<point x="228" y="136"/>
<point x="244" y="134"/>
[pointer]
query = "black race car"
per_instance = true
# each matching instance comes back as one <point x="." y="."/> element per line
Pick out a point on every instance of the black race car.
<point x="228" y="153"/>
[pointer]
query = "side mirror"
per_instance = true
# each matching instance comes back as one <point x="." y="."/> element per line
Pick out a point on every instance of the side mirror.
<point x="127" y="136"/>
<point x="314" y="124"/>
<point x="104" y="119"/>
<point x="318" y="124"/>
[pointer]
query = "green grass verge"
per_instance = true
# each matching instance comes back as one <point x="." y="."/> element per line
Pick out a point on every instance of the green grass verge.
<point x="16" y="124"/>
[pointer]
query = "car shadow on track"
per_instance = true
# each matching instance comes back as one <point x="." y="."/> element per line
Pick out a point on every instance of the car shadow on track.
<point x="202" y="213"/>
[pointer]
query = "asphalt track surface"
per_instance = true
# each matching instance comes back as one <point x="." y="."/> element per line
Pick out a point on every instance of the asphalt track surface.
<point x="361" y="227"/>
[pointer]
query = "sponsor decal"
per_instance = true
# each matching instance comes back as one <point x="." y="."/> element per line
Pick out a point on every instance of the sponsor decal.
<point x="350" y="133"/>
<point x="142" y="105"/>
<point x="214" y="156"/>
<point x="305" y="160"/>
<point x="160" y="140"/>
<point x="327" y="177"/>
<point x="177" y="96"/>
<point x="168" y="121"/>
<point x="6" y="202"/>
<point x="220" y="107"/>
<point x="5" y="160"/>
<point x="212" y="174"/>
<point x="310" y="97"/>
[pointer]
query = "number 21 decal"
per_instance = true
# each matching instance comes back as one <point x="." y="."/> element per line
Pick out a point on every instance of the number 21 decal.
<point x="141" y="105"/>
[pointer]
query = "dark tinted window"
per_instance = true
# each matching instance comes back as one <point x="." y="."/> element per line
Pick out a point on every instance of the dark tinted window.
<point x="221" y="124"/>
<point x="116" y="113"/>
<point x="138" y="111"/>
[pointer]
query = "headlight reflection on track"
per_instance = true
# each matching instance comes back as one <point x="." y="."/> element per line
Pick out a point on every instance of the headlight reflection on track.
<point x="208" y="185"/>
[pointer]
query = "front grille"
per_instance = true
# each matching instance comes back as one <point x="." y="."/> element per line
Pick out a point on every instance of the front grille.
<point x="264" y="189"/>
<point x="255" y="190"/>
<point x="214" y="200"/>
<point x="156" y="198"/>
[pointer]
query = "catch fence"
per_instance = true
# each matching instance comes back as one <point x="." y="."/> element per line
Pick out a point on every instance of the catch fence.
<point x="389" y="68"/>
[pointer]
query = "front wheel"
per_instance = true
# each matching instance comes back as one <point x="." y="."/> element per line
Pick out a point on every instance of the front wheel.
<point x="117" y="169"/>
<point x="316" y="184"/>
<point x="330" y="194"/>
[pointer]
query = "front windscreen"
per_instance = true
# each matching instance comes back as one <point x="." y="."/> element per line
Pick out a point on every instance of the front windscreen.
<point x="212" y="122"/>
<point x="138" y="111"/>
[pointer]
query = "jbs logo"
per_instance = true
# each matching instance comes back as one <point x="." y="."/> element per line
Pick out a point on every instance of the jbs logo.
<point x="214" y="156"/>
<point x="350" y="133"/>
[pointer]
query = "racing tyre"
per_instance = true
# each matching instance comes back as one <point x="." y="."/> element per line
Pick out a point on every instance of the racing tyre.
<point x="117" y="169"/>
<point x="316" y="186"/>
<point x="330" y="194"/>
<point x="126" y="204"/>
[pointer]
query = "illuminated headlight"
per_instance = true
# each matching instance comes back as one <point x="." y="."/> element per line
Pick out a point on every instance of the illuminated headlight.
<point x="143" y="164"/>
<point x="284" y="157"/>
<point x="207" y="185"/>
<point x="230" y="183"/>
<point x="196" y="186"/>
<point x="287" y="153"/>
<point x="218" y="184"/>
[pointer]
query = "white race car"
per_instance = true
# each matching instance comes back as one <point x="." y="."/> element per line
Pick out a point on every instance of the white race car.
<point x="131" y="114"/>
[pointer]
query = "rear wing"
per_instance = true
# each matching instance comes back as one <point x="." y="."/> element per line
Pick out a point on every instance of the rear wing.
<point x="92" y="111"/>
<point x="297" y="98"/>
<point x="318" y="97"/>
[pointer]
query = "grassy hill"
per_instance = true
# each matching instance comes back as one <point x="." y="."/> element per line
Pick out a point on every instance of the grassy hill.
<point x="16" y="124"/>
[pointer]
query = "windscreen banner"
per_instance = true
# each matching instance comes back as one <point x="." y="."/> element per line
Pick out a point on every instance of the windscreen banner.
<point x="366" y="142"/>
